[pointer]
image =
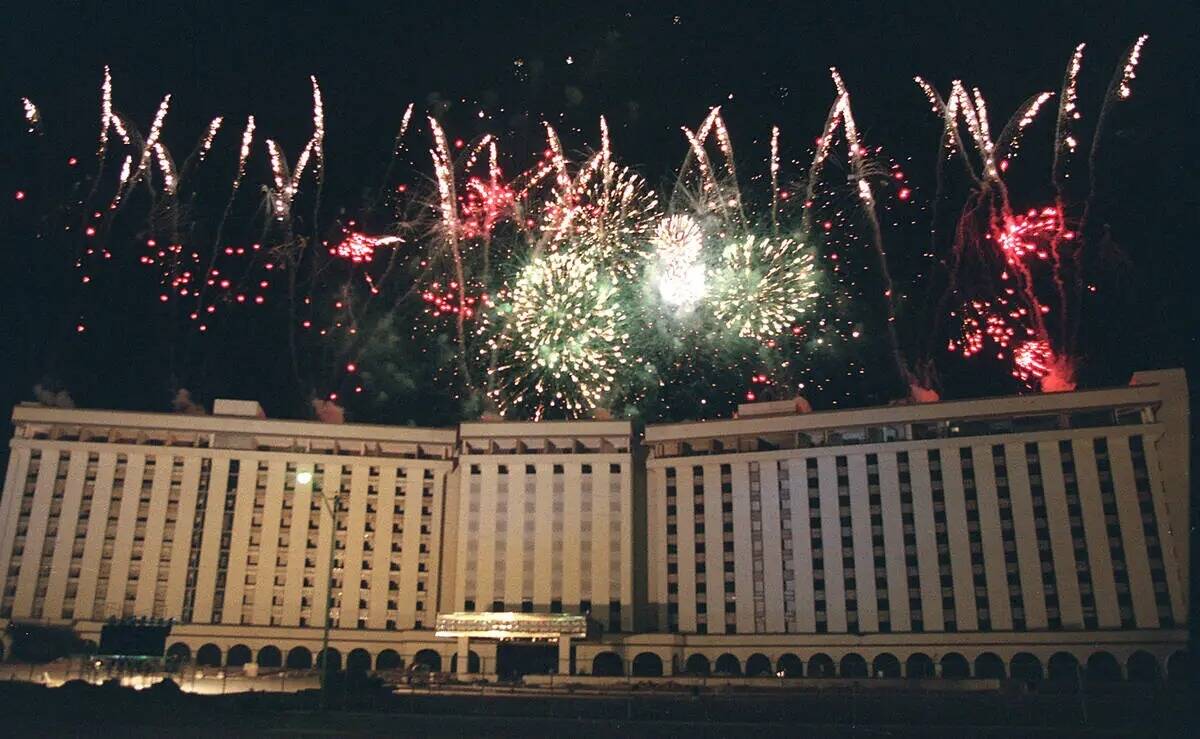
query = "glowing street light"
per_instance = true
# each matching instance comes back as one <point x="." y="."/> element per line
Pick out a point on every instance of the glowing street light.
<point x="303" y="477"/>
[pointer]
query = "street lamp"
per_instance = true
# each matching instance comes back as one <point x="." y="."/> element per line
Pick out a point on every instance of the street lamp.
<point x="333" y="504"/>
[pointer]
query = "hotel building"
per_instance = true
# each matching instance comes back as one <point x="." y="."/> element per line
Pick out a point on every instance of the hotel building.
<point x="1026" y="536"/>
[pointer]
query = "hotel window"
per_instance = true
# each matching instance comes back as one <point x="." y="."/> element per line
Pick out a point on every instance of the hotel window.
<point x="849" y="574"/>
<point x="941" y="535"/>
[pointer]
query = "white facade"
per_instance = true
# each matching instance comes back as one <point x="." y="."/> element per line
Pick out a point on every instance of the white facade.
<point x="1021" y="527"/>
<point x="545" y="519"/>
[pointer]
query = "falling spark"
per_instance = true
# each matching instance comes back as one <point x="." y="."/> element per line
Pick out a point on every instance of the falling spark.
<point x="209" y="135"/>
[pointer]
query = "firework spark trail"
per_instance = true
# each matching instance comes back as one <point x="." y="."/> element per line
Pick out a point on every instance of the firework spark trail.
<point x="397" y="148"/>
<point x="151" y="141"/>
<point x="774" y="166"/>
<point x="449" y="236"/>
<point x="857" y="161"/>
<point x="33" y="116"/>
<point x="209" y="135"/>
<point x="1119" y="90"/>
<point x="167" y="166"/>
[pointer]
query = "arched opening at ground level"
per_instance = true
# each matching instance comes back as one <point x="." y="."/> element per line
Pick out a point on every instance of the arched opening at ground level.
<point x="758" y="665"/>
<point x="608" y="664"/>
<point x="853" y="665"/>
<point x="647" y="664"/>
<point x="1103" y="667"/>
<point x="1025" y="666"/>
<point x="299" y="658"/>
<point x="821" y="665"/>
<point x="955" y="666"/>
<point x="1062" y="667"/>
<point x="179" y="652"/>
<point x="790" y="665"/>
<point x="428" y="659"/>
<point x="988" y="665"/>
<point x="886" y="665"/>
<point x="239" y="654"/>
<point x="208" y="655"/>
<point x="919" y="666"/>
<point x="728" y="665"/>
<point x="269" y="656"/>
<point x="1141" y="667"/>
<point x="697" y="664"/>
<point x="330" y="659"/>
<point x="358" y="661"/>
<point x="389" y="659"/>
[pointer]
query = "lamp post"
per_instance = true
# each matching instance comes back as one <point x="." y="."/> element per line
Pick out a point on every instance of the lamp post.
<point x="333" y="504"/>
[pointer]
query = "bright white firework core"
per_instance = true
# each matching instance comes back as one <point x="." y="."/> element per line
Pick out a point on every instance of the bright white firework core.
<point x="679" y="241"/>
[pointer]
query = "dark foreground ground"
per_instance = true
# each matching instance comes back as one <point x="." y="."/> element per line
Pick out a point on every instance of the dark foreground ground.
<point x="83" y="710"/>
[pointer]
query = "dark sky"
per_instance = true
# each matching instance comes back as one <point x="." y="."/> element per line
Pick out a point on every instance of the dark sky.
<point x="650" y="67"/>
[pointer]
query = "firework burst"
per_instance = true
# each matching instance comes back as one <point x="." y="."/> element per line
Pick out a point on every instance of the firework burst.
<point x="763" y="286"/>
<point x="562" y="335"/>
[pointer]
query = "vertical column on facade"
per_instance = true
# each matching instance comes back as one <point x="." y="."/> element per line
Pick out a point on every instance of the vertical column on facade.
<point x="557" y="496"/>
<point x="279" y="475"/>
<point x="893" y="543"/>
<point x="35" y="534"/>
<point x="485" y="569"/>
<point x="1173" y="542"/>
<point x="468" y="497"/>
<point x="1033" y="595"/>
<point x="93" y="543"/>
<point x="772" y="547"/>
<point x="378" y="610"/>
<point x="1108" y="613"/>
<point x="626" y="539"/>
<point x="572" y="536"/>
<point x="864" y="560"/>
<point x="515" y="541"/>
<point x="181" y="545"/>
<point x="656" y="547"/>
<point x="802" y="549"/>
<point x="64" y="542"/>
<point x="831" y="532"/>
<point x="322" y="594"/>
<point x="298" y="550"/>
<point x="1058" y="522"/>
<point x="437" y="502"/>
<point x="210" y="548"/>
<point x="957" y="531"/>
<point x="927" y="559"/>
<point x="10" y="512"/>
<point x="714" y="550"/>
<point x="603" y="522"/>
<point x="152" y="544"/>
<point x="743" y="550"/>
<point x="410" y="546"/>
<point x="1132" y="535"/>
<point x="356" y="522"/>
<point x="993" y="543"/>
<point x="684" y="484"/>
<point x="543" y="544"/>
<point x="239" y="541"/>
<point x="118" y="578"/>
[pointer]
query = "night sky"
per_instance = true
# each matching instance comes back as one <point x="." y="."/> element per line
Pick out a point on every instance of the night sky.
<point x="650" y="70"/>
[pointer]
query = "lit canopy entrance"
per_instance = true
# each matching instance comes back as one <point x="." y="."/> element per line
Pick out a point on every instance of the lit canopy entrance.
<point x="511" y="627"/>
